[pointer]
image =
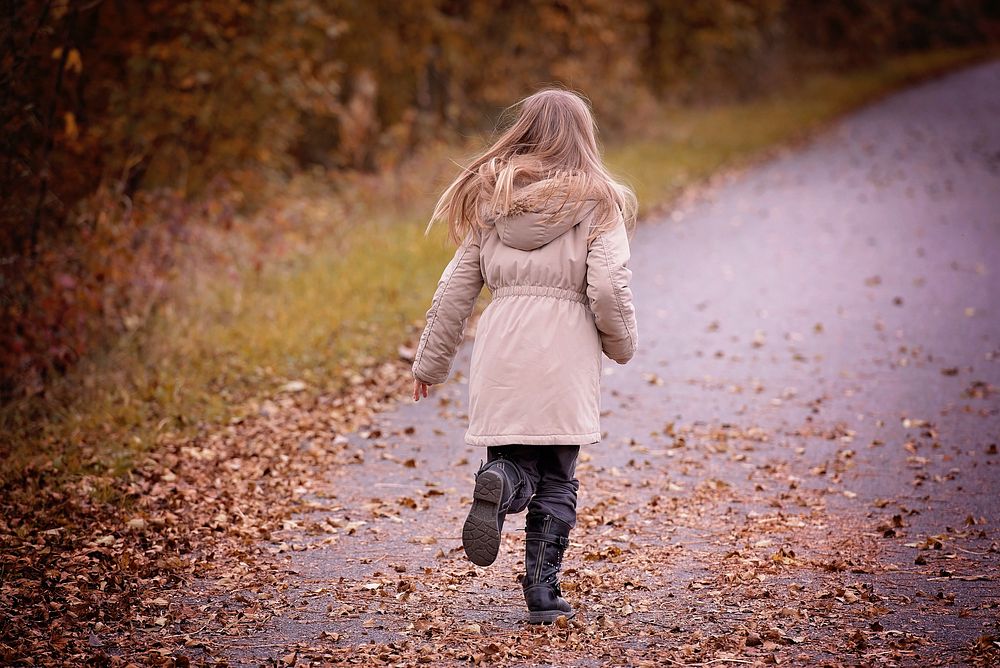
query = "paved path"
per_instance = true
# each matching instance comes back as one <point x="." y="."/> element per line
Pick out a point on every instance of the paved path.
<point x="800" y="463"/>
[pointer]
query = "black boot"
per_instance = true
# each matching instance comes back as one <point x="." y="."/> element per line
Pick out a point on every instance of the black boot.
<point x="496" y="484"/>
<point x="546" y="538"/>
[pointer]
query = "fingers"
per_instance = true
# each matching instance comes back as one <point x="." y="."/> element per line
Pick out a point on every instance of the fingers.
<point x="419" y="389"/>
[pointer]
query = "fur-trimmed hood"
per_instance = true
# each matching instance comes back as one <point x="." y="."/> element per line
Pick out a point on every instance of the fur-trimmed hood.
<point x="538" y="213"/>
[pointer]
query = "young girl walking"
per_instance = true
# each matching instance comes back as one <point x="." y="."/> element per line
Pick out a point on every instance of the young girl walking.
<point x="540" y="221"/>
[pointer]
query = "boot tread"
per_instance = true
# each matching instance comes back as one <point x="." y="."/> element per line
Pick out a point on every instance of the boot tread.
<point x="481" y="532"/>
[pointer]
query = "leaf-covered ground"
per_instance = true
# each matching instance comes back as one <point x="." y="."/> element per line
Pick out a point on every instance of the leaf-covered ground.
<point x="801" y="464"/>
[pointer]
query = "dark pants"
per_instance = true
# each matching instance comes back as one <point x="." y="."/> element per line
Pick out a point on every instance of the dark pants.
<point x="547" y="485"/>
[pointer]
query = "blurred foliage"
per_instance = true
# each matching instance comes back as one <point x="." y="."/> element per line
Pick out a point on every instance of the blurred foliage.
<point x="130" y="128"/>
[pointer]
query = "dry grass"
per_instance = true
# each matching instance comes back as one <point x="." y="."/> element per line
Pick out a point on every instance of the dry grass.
<point x="353" y="291"/>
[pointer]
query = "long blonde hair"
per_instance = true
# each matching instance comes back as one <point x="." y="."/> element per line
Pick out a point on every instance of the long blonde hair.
<point x="553" y="137"/>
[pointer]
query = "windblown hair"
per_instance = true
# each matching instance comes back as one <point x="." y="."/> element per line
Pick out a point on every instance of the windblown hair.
<point x="552" y="147"/>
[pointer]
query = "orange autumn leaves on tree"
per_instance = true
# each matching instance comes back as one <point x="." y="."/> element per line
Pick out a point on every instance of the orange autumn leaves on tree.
<point x="109" y="102"/>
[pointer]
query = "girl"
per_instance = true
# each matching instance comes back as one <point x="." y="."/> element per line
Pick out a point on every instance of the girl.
<point x="540" y="221"/>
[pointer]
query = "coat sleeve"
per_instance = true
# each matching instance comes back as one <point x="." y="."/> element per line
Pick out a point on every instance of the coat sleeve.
<point x="608" y="278"/>
<point x="450" y="309"/>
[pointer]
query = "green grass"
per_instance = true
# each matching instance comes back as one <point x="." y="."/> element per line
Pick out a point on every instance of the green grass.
<point x="331" y="310"/>
<point x="205" y="356"/>
<point x="223" y="344"/>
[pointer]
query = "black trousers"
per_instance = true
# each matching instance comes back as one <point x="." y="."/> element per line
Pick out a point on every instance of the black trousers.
<point x="547" y="483"/>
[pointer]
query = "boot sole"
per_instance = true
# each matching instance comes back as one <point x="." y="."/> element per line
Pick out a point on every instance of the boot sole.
<point x="548" y="616"/>
<point x="481" y="533"/>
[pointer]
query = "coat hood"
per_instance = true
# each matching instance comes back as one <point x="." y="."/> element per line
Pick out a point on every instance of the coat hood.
<point x="538" y="214"/>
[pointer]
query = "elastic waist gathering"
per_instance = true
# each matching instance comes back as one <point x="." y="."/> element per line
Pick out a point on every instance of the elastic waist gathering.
<point x="539" y="291"/>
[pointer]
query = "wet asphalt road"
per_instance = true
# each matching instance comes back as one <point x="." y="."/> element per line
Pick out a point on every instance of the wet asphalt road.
<point x="849" y="287"/>
<point x="859" y="277"/>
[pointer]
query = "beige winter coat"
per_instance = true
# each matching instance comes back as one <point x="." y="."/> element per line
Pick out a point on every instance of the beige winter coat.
<point x="558" y="302"/>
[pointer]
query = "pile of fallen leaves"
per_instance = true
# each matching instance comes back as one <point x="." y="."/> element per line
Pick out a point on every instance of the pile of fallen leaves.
<point x="83" y="561"/>
<point x="707" y="550"/>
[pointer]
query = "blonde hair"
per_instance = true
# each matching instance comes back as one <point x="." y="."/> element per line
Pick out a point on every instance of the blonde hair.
<point x="553" y="137"/>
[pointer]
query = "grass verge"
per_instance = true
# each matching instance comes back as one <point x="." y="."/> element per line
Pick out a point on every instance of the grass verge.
<point x="225" y="344"/>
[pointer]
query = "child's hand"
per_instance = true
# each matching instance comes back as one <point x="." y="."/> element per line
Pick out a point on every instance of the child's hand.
<point x="419" y="389"/>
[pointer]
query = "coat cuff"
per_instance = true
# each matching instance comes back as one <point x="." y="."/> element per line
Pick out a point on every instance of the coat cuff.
<point x="423" y="378"/>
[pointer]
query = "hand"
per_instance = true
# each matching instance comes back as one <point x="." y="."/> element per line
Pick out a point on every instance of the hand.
<point x="419" y="389"/>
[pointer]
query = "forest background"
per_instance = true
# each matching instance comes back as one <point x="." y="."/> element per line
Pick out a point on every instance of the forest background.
<point x="207" y="202"/>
